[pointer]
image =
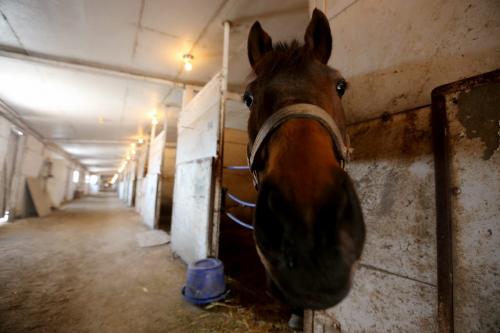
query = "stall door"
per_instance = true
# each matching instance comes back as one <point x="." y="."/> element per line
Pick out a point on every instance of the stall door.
<point x="8" y="155"/>
<point x="471" y="111"/>
<point x="197" y="148"/>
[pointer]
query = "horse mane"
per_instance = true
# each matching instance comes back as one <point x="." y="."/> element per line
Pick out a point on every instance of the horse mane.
<point x="283" y="56"/>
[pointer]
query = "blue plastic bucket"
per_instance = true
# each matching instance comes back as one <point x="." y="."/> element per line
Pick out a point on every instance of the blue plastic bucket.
<point x="205" y="282"/>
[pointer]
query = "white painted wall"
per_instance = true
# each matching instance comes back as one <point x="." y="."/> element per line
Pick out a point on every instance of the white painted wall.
<point x="393" y="53"/>
<point x="56" y="185"/>
<point x="30" y="159"/>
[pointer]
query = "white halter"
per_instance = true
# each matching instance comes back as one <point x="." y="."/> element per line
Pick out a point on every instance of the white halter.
<point x="303" y="110"/>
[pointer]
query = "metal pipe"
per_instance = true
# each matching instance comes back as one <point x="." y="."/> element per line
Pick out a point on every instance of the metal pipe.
<point x="237" y="167"/>
<point x="93" y="68"/>
<point x="240" y="202"/>
<point x="238" y="221"/>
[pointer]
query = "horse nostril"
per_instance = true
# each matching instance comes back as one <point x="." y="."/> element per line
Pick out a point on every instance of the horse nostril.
<point x="290" y="261"/>
<point x="290" y="258"/>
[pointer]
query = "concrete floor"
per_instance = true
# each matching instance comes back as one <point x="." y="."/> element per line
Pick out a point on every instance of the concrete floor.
<point x="81" y="270"/>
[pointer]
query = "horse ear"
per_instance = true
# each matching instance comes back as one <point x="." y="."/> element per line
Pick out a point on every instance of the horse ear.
<point x="259" y="43"/>
<point x="318" y="38"/>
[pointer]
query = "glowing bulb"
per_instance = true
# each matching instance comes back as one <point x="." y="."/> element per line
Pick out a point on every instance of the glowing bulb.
<point x="188" y="58"/>
<point x="140" y="141"/>
<point x="154" y="121"/>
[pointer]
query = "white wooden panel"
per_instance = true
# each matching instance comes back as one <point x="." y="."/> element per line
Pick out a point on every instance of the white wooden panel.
<point x="198" y="128"/>
<point x="149" y="211"/>
<point x="156" y="154"/>
<point x="191" y="209"/>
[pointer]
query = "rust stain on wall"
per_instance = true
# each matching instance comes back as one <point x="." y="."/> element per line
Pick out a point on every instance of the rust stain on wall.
<point x="479" y="114"/>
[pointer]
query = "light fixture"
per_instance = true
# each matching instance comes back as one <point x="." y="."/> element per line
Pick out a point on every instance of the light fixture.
<point x="76" y="176"/>
<point x="17" y="131"/>
<point x="154" y="120"/>
<point x="5" y="218"/>
<point x="122" y="167"/>
<point x="140" y="140"/>
<point x="188" y="59"/>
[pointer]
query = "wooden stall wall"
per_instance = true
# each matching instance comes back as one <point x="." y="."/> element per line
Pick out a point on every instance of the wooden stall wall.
<point x="197" y="147"/>
<point x="142" y="156"/>
<point x="167" y="188"/>
<point x="236" y="243"/>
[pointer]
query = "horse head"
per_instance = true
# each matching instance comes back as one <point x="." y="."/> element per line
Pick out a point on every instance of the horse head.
<point x="309" y="228"/>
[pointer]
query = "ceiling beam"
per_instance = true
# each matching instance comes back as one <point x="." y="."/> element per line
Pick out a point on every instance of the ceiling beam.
<point x="86" y="67"/>
<point x="94" y="142"/>
<point x="94" y="68"/>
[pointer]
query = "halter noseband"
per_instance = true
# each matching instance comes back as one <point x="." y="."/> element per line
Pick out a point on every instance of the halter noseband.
<point x="294" y="111"/>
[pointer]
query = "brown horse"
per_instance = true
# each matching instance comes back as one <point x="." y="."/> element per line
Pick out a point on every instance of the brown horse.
<point x="309" y="228"/>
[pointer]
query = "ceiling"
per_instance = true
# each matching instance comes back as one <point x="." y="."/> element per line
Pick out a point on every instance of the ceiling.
<point x="95" y="115"/>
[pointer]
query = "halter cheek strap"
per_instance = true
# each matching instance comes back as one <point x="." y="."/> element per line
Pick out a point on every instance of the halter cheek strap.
<point x="294" y="111"/>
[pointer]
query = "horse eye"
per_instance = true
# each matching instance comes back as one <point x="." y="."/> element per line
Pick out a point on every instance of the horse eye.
<point x="248" y="99"/>
<point x="341" y="87"/>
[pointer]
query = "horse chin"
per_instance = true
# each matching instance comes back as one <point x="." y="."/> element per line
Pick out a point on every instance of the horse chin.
<point x="306" y="294"/>
<point x="314" y="299"/>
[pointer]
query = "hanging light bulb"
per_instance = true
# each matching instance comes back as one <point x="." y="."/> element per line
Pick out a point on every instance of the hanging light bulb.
<point x="154" y="120"/>
<point x="188" y="58"/>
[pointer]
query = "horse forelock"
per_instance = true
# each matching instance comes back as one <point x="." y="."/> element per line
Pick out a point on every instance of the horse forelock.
<point x="282" y="56"/>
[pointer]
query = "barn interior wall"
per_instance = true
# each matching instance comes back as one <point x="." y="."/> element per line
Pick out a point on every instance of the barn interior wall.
<point x="393" y="171"/>
<point x="235" y="147"/>
<point x="31" y="160"/>
<point x="142" y="156"/>
<point x="473" y="120"/>
<point x="393" y="53"/>
<point x="236" y="243"/>
<point x="56" y="185"/>
<point x="31" y="156"/>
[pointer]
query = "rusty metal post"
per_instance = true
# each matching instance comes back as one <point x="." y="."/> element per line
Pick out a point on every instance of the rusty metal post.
<point x="443" y="213"/>
<point x="444" y="188"/>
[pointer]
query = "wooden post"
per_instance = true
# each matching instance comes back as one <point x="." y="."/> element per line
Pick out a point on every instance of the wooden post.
<point x="219" y="162"/>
